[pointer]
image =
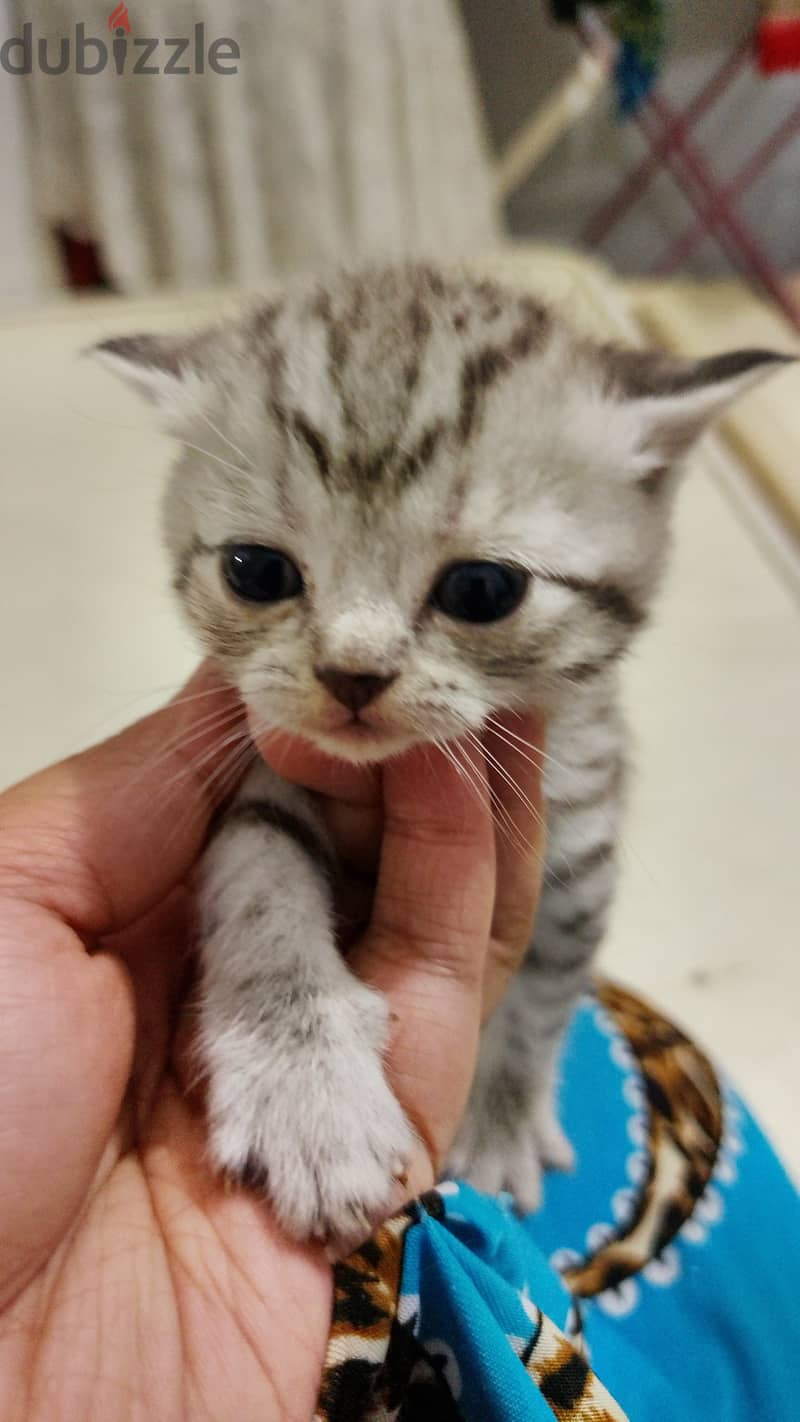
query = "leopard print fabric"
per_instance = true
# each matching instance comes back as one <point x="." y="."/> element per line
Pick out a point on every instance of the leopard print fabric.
<point x="565" y="1380"/>
<point x="377" y="1371"/>
<point x="685" y="1129"/>
<point x="366" y="1289"/>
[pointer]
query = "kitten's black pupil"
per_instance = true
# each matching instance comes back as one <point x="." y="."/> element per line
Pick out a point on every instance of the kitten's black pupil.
<point x="260" y="574"/>
<point x="480" y="592"/>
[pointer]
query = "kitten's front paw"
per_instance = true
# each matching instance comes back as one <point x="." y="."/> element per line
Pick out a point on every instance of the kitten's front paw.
<point x="495" y="1151"/>
<point x="313" y="1124"/>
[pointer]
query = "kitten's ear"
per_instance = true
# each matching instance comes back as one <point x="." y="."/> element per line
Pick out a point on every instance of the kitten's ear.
<point x="158" y="367"/>
<point x="675" y="400"/>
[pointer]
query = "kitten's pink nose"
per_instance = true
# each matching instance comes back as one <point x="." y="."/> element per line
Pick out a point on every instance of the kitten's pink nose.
<point x="352" y="689"/>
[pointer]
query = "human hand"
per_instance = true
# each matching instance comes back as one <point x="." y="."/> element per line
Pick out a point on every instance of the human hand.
<point x="130" y="1277"/>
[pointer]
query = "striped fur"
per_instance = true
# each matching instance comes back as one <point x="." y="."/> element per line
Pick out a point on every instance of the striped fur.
<point x="376" y="428"/>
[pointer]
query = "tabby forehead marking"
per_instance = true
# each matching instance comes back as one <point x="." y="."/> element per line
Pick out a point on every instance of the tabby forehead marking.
<point x="338" y="350"/>
<point x="482" y="368"/>
<point x="315" y="443"/>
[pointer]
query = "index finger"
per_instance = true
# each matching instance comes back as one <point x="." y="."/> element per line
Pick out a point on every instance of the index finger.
<point x="427" y="942"/>
<point x="513" y="746"/>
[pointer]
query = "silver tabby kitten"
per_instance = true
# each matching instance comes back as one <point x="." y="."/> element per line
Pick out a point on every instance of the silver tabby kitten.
<point x="404" y="500"/>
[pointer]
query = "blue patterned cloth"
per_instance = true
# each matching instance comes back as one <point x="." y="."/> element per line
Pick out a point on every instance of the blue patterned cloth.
<point x="661" y="1280"/>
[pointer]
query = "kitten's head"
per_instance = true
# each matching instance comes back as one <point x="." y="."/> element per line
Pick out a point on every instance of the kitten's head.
<point x="406" y="500"/>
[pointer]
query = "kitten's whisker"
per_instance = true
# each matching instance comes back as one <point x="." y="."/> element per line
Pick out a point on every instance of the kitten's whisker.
<point x="232" y="769"/>
<point x="609" y="820"/>
<point x="222" y="779"/>
<point x="498" y="729"/>
<point x="503" y="732"/>
<point x="528" y="804"/>
<point x="227" y="772"/>
<point x="108" y="724"/>
<point x="481" y="792"/>
<point x="217" y="721"/>
<point x="198" y="783"/>
<point x="175" y="700"/>
<point x="426" y="747"/>
<point x="209" y="714"/>
<point x="210" y="455"/>
<point x="224" y="438"/>
<point x="555" y="877"/>
<point x="503" y="819"/>
<point x="237" y="736"/>
<point x="531" y="809"/>
<point x="198" y="695"/>
<point x="174" y="749"/>
<point x="516" y="745"/>
<point x="204" y="725"/>
<point x="508" y="778"/>
<point x="504" y="822"/>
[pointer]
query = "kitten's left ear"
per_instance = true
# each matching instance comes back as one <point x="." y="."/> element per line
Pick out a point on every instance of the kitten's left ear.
<point x="676" y="399"/>
<point x="159" y="367"/>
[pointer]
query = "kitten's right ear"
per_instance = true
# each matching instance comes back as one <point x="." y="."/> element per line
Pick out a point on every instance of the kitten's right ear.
<point x="676" y="399"/>
<point x="156" y="366"/>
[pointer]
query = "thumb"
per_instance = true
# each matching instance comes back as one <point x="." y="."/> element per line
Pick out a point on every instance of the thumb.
<point x="427" y="943"/>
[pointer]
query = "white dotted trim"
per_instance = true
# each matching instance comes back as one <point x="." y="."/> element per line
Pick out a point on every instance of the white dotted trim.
<point x="710" y="1208"/>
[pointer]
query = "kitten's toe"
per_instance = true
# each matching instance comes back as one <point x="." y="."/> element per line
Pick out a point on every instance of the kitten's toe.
<point x="503" y="1165"/>
<point x="330" y="1147"/>
<point x="369" y="1158"/>
<point x="555" y="1149"/>
<point x="511" y="1156"/>
<point x="512" y="1168"/>
<point x="330" y="1179"/>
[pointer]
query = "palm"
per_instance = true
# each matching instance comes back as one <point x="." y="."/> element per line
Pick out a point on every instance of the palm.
<point x="134" y="1283"/>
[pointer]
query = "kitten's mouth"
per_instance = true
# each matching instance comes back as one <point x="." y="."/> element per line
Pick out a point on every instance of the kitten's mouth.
<point x="359" y="740"/>
<point x="358" y="730"/>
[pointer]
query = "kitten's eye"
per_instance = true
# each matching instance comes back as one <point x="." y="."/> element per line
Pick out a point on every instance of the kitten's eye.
<point x="480" y="592"/>
<point x="259" y="574"/>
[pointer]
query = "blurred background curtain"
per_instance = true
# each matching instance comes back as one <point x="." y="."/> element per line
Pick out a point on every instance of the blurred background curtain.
<point x="352" y="130"/>
<point x="22" y="253"/>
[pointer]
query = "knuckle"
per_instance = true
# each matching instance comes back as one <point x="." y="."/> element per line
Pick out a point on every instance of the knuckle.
<point x="42" y="864"/>
<point x="434" y="949"/>
<point x="506" y="953"/>
<point x="433" y="830"/>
